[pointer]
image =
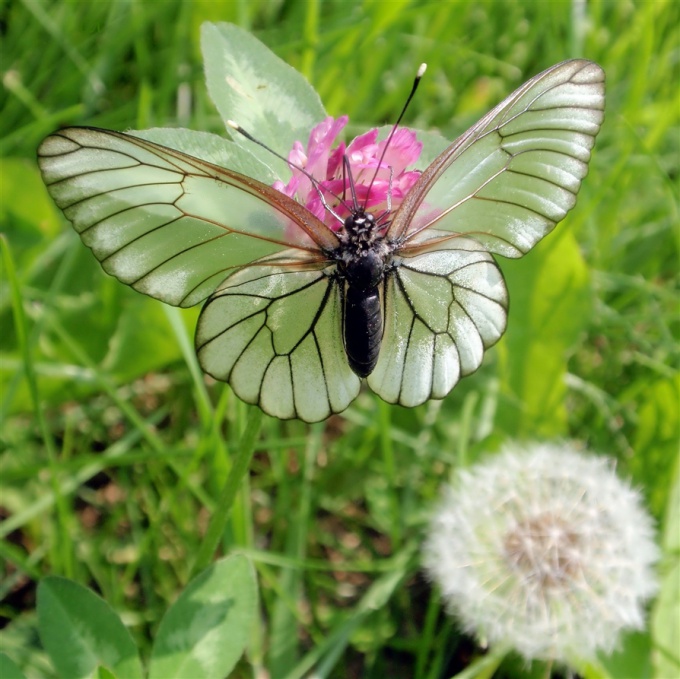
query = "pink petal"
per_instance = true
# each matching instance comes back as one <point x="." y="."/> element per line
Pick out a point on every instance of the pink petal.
<point x="320" y="141"/>
<point x="406" y="180"/>
<point x="298" y="156"/>
<point x="325" y="164"/>
<point x="365" y="139"/>
<point x="404" y="149"/>
<point x="335" y="161"/>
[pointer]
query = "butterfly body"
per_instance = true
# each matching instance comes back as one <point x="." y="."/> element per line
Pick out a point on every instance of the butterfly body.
<point x="363" y="257"/>
<point x="296" y="312"/>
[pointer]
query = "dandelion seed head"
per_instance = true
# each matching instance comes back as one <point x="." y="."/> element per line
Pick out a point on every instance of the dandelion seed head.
<point x="544" y="549"/>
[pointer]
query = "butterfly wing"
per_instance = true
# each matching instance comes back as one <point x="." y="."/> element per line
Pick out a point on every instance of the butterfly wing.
<point x="168" y="224"/>
<point x="445" y="304"/>
<point x="273" y="331"/>
<point x="508" y="180"/>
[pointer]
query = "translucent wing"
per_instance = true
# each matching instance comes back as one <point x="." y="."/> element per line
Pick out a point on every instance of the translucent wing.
<point x="170" y="225"/>
<point x="444" y="305"/>
<point x="273" y="331"/>
<point x="509" y="179"/>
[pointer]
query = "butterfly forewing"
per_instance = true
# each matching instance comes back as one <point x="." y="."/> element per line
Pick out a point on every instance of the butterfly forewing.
<point x="515" y="174"/>
<point x="444" y="305"/>
<point x="273" y="331"/>
<point x="170" y="225"/>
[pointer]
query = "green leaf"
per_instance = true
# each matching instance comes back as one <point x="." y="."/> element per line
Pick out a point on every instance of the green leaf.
<point x="205" y="631"/>
<point x="103" y="673"/>
<point x="8" y="670"/>
<point x="26" y="213"/>
<point x="250" y="85"/>
<point x="549" y="309"/>
<point x="630" y="659"/>
<point x="80" y="631"/>
<point x="141" y="342"/>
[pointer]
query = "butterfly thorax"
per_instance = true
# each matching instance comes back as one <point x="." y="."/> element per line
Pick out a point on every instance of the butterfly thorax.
<point x="363" y="252"/>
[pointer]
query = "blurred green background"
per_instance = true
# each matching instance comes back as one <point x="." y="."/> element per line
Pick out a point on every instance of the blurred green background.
<point x="114" y="448"/>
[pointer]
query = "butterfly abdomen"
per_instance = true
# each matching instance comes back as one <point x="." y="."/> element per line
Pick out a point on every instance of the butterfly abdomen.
<point x="363" y="314"/>
<point x="363" y="329"/>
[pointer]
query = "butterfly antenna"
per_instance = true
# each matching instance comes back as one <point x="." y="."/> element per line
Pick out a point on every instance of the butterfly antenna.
<point x="235" y="126"/>
<point x="416" y="82"/>
<point x="347" y="172"/>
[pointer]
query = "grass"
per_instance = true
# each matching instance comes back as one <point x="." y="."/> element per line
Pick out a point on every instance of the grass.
<point x="115" y="449"/>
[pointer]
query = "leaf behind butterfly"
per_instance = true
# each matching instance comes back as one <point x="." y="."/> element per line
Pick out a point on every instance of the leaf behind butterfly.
<point x="262" y="93"/>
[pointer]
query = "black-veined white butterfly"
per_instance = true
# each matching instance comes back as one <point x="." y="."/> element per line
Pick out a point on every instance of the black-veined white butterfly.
<point x="297" y="312"/>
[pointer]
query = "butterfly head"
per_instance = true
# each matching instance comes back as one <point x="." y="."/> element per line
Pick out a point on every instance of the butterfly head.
<point x="360" y="227"/>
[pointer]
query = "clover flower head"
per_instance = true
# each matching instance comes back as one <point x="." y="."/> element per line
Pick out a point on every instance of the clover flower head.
<point x="544" y="550"/>
<point x="325" y="164"/>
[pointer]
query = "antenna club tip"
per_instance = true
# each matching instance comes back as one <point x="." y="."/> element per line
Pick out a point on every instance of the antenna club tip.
<point x="421" y="70"/>
<point x="233" y="125"/>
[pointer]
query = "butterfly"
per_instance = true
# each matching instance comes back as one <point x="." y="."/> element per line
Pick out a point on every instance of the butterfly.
<point x="297" y="313"/>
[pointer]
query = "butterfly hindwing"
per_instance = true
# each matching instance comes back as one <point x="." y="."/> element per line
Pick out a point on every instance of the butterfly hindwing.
<point x="444" y="305"/>
<point x="274" y="333"/>
<point x="509" y="179"/>
<point x="170" y="225"/>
